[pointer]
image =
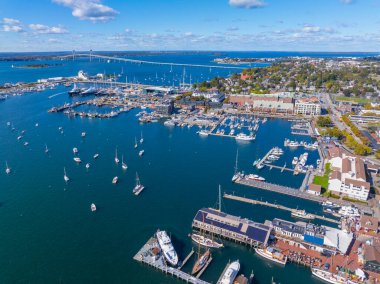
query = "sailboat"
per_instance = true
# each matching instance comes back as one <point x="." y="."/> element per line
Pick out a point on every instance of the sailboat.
<point x="116" y="158"/>
<point x="136" y="145"/>
<point x="123" y="165"/>
<point x="65" y="177"/>
<point x="46" y="149"/>
<point x="139" y="187"/>
<point x="7" y="168"/>
<point x="141" y="139"/>
<point x="236" y="175"/>
<point x="201" y="262"/>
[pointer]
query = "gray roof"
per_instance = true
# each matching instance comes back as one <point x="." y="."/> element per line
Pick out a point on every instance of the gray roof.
<point x="289" y="226"/>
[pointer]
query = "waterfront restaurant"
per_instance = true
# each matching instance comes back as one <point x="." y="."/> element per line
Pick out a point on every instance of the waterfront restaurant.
<point x="232" y="227"/>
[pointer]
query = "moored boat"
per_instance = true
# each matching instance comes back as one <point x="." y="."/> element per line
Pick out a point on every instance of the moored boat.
<point x="115" y="180"/>
<point x="272" y="254"/>
<point x="302" y="215"/>
<point x="138" y="187"/>
<point x="93" y="207"/>
<point x="201" y="262"/>
<point x="230" y="273"/>
<point x="206" y="242"/>
<point x="167" y="248"/>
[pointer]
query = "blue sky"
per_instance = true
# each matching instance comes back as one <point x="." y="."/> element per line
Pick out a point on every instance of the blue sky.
<point x="278" y="25"/>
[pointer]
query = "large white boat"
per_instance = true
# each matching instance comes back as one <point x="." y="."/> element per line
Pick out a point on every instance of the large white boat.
<point x="331" y="205"/>
<point x="329" y="277"/>
<point x="349" y="211"/>
<point x="230" y="273"/>
<point x="167" y="248"/>
<point x="254" y="177"/>
<point x="169" y="123"/>
<point x="203" y="132"/>
<point x="302" y="215"/>
<point x="138" y="187"/>
<point x="272" y="254"/>
<point x="77" y="159"/>
<point x="244" y="137"/>
<point x="206" y="242"/>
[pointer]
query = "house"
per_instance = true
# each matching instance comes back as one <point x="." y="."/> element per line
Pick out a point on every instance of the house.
<point x="369" y="223"/>
<point x="314" y="189"/>
<point x="372" y="258"/>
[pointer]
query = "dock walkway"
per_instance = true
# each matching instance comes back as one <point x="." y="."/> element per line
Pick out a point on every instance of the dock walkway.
<point x="144" y="255"/>
<point x="300" y="194"/>
<point x="257" y="202"/>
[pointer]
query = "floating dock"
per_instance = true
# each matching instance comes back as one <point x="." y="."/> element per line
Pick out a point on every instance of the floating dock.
<point x="156" y="260"/>
<point x="257" y="202"/>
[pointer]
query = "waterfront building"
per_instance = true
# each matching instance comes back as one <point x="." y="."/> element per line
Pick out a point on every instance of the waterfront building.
<point x="268" y="103"/>
<point x="348" y="177"/>
<point x="314" y="189"/>
<point x="289" y="229"/>
<point x="214" y="96"/>
<point x="307" y="106"/>
<point x="165" y="108"/>
<point x="232" y="227"/>
<point x="364" y="119"/>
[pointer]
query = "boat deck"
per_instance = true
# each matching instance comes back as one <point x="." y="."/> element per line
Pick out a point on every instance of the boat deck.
<point x="157" y="261"/>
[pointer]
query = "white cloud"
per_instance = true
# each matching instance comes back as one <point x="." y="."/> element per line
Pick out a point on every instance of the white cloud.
<point x="248" y="4"/>
<point x="12" y="25"/>
<point x="347" y="1"/>
<point x="42" y="29"/>
<point x="311" y="29"/>
<point x="90" y="10"/>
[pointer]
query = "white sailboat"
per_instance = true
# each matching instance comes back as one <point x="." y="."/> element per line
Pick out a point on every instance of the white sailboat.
<point x="136" y="145"/>
<point x="114" y="180"/>
<point x="141" y="139"/>
<point x="141" y="153"/>
<point x="93" y="207"/>
<point x="88" y="165"/>
<point x="65" y="177"/>
<point x="46" y="149"/>
<point x="123" y="165"/>
<point x="7" y="168"/>
<point x="116" y="158"/>
<point x="139" y="187"/>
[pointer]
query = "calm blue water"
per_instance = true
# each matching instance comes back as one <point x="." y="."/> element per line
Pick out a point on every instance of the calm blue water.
<point x="48" y="233"/>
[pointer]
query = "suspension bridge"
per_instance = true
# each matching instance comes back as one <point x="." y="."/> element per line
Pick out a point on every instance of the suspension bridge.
<point x="137" y="61"/>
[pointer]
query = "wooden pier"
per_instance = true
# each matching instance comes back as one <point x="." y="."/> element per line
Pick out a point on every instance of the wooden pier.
<point x="300" y="193"/>
<point x="279" y="167"/>
<point x="277" y="206"/>
<point x="144" y="255"/>
<point x="186" y="259"/>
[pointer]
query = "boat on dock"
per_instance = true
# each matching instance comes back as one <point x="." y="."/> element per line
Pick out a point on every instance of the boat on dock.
<point x="206" y="242"/>
<point x="331" y="205"/>
<point x="201" y="262"/>
<point x="301" y="214"/>
<point x="230" y="273"/>
<point x="272" y="254"/>
<point x="138" y="187"/>
<point x="254" y="177"/>
<point x="245" y="137"/>
<point x="329" y="277"/>
<point x="167" y="248"/>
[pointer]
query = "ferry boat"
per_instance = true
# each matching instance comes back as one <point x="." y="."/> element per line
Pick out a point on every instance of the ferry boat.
<point x="201" y="262"/>
<point x="206" y="242"/>
<point x="329" y="277"/>
<point x="138" y="187"/>
<point x="141" y="153"/>
<point x="114" y="180"/>
<point x="77" y="159"/>
<point x="93" y="207"/>
<point x="272" y="254"/>
<point x="244" y="137"/>
<point x="231" y="273"/>
<point x="203" y="132"/>
<point x="167" y="248"/>
<point x="302" y="215"/>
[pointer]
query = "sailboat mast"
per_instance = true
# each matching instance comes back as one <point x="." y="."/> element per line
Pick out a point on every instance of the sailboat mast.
<point x="220" y="200"/>
<point x="236" y="162"/>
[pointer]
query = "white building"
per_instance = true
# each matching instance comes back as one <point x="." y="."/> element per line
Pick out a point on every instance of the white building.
<point x="348" y="177"/>
<point x="215" y="97"/>
<point x="307" y="107"/>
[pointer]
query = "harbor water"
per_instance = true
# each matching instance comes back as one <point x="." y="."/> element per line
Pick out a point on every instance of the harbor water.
<point x="50" y="235"/>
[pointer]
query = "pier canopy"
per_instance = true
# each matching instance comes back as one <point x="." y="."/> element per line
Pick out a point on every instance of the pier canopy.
<point x="236" y="228"/>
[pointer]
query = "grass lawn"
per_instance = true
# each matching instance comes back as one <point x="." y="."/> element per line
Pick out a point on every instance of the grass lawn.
<point x="323" y="181"/>
<point x="356" y="100"/>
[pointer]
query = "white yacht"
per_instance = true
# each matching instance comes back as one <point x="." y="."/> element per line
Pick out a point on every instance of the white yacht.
<point x="272" y="254"/>
<point x="83" y="134"/>
<point x="255" y="177"/>
<point x="75" y="150"/>
<point x="141" y="153"/>
<point x="96" y="156"/>
<point x="167" y="248"/>
<point x="244" y="137"/>
<point x="169" y="123"/>
<point x="7" y="168"/>
<point x="138" y="187"/>
<point x="203" y="132"/>
<point x="114" y="180"/>
<point x="116" y="158"/>
<point x="141" y="139"/>
<point x="231" y="273"/>
<point x="302" y="215"/>
<point x="88" y="165"/>
<point x="349" y="211"/>
<point x="65" y="177"/>
<point x="123" y="165"/>
<point x="329" y="277"/>
<point x="77" y="159"/>
<point x="203" y="241"/>
<point x="93" y="207"/>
